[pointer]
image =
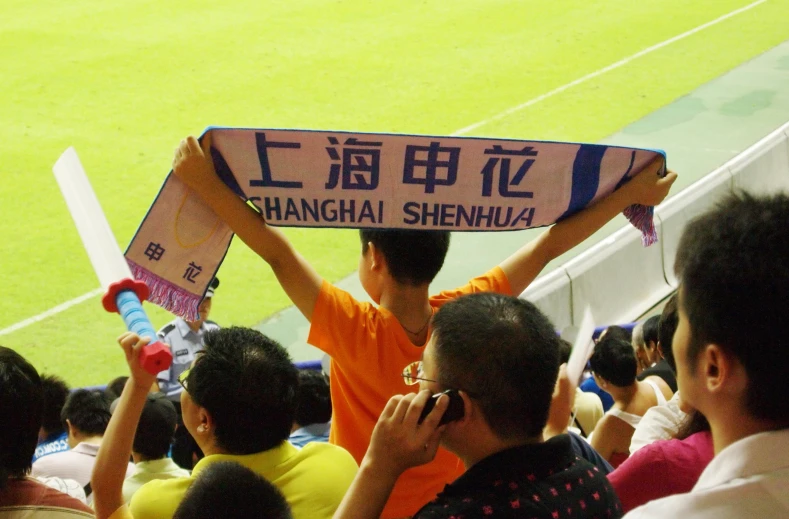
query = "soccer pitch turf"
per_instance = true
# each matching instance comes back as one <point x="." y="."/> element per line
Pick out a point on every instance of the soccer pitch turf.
<point x="124" y="82"/>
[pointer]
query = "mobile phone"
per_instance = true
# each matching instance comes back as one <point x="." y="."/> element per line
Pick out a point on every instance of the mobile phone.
<point x="452" y="413"/>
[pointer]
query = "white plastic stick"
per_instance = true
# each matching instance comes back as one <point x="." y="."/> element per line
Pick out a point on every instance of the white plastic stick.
<point x="105" y="255"/>
<point x="582" y="349"/>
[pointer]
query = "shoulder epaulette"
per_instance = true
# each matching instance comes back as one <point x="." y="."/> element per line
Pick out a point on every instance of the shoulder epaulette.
<point x="166" y="329"/>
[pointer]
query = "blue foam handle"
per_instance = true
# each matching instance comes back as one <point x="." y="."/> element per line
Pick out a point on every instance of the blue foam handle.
<point x="130" y="309"/>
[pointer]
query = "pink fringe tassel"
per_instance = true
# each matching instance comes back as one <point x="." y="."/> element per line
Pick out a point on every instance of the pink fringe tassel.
<point x="163" y="293"/>
<point x="642" y="218"/>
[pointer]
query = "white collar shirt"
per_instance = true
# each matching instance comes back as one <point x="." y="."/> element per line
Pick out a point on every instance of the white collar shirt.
<point x="748" y="479"/>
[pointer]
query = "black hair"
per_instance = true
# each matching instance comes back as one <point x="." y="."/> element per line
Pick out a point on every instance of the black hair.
<point x="88" y="411"/>
<point x="565" y="350"/>
<point x="617" y="332"/>
<point x="693" y="423"/>
<point x="504" y="353"/>
<point x="21" y="407"/>
<point x="56" y="392"/>
<point x="651" y="326"/>
<point x="156" y="427"/>
<point x="313" y="398"/>
<point x="115" y="387"/>
<point x="669" y="320"/>
<point x="248" y="384"/>
<point x="615" y="361"/>
<point x="734" y="287"/>
<point x="412" y="257"/>
<point x="230" y="490"/>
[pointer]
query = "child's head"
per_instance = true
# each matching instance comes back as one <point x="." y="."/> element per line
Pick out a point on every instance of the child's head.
<point x="412" y="257"/>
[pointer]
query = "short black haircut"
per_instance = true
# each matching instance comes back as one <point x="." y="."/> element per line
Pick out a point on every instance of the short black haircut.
<point x="21" y="408"/>
<point x="156" y="427"/>
<point x="565" y="350"/>
<point x="88" y="411"/>
<point x="248" y="384"/>
<point x="115" y="387"/>
<point x="56" y="392"/>
<point x="618" y="332"/>
<point x="504" y="353"/>
<point x="734" y="287"/>
<point x="313" y="398"/>
<point x="230" y="490"/>
<point x="615" y="361"/>
<point x="412" y="257"/>
<point x="669" y="320"/>
<point x="651" y="326"/>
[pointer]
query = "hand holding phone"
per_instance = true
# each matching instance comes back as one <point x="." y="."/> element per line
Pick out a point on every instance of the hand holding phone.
<point x="454" y="410"/>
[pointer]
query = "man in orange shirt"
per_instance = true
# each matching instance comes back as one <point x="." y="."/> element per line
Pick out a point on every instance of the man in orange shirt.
<point x="371" y="345"/>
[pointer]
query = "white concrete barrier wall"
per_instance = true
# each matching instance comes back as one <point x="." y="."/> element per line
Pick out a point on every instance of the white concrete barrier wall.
<point x="619" y="279"/>
<point x="551" y="293"/>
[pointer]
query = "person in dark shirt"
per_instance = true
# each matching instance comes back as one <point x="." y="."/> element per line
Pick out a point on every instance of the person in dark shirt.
<point x="665" y="368"/>
<point x="499" y="358"/>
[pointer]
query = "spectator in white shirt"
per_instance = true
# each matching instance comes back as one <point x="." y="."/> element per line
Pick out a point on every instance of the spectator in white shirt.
<point x="731" y="357"/>
<point x="86" y="415"/>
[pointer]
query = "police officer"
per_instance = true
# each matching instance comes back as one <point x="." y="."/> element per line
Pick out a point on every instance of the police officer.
<point x="185" y="339"/>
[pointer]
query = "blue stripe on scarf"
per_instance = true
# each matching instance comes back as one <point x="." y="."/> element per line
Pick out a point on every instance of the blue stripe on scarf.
<point x="586" y="177"/>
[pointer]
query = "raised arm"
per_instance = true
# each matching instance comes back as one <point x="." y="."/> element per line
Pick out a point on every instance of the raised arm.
<point x="116" y="447"/>
<point x="646" y="188"/>
<point x="297" y="277"/>
<point x="398" y="442"/>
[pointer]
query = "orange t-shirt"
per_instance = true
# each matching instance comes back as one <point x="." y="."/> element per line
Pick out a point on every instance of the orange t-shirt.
<point x="369" y="351"/>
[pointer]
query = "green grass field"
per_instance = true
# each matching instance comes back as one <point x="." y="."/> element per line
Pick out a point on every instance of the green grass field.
<point x="124" y="82"/>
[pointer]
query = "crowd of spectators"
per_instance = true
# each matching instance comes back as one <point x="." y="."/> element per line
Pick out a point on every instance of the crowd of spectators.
<point x="695" y="426"/>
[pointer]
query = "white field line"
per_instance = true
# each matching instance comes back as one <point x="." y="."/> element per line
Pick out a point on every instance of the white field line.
<point x="52" y="311"/>
<point x="84" y="297"/>
<point x="609" y="68"/>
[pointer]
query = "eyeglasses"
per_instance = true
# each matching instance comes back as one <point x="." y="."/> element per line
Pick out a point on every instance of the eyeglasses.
<point x="183" y="379"/>
<point x="412" y="374"/>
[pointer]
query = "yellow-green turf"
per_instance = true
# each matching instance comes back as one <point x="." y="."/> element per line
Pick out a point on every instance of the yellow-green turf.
<point x="123" y="82"/>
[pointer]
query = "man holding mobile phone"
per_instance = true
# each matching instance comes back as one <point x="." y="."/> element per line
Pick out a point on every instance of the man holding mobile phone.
<point x="492" y="362"/>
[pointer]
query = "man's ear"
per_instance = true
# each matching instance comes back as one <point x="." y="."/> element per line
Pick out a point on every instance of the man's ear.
<point x="377" y="261"/>
<point x="69" y="427"/>
<point x="660" y="350"/>
<point x="205" y="421"/>
<point x="723" y="374"/>
<point x="469" y="410"/>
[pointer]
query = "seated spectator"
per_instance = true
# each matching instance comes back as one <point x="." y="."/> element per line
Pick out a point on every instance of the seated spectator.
<point x="239" y="402"/>
<point x="52" y="437"/>
<point x="224" y="489"/>
<point x="614" y="365"/>
<point x="665" y="467"/>
<point x="616" y="332"/>
<point x="651" y="339"/>
<point x="86" y="415"/>
<point x="151" y="444"/>
<point x="115" y="388"/>
<point x="21" y="410"/>
<point x="731" y="355"/>
<point x="664" y="368"/>
<point x="590" y="386"/>
<point x="639" y="349"/>
<point x="664" y="421"/>
<point x="313" y="409"/>
<point x="500" y="355"/>
<point x="587" y="409"/>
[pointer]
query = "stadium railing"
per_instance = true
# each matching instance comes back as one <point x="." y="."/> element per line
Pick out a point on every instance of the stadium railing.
<point x="618" y="278"/>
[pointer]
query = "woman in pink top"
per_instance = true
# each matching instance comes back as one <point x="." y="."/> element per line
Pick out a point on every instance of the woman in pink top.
<point x="665" y="467"/>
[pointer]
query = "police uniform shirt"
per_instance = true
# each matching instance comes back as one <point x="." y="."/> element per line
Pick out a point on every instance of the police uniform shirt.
<point x="184" y="344"/>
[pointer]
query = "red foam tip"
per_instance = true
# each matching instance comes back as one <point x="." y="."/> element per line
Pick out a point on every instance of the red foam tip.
<point x="138" y="287"/>
<point x="156" y="357"/>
